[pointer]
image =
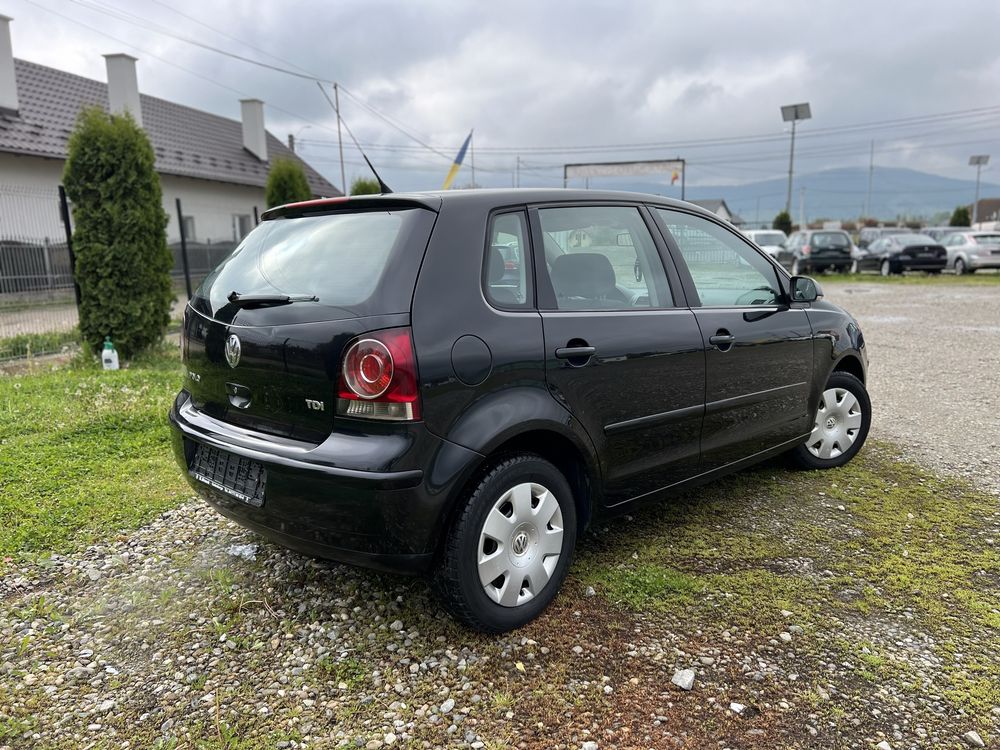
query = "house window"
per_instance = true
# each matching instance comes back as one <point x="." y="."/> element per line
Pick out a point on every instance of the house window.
<point x="188" y="228"/>
<point x="242" y="224"/>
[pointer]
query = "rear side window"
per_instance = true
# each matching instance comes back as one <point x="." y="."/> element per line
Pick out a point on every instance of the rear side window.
<point x="602" y="258"/>
<point x="362" y="262"/>
<point x="507" y="281"/>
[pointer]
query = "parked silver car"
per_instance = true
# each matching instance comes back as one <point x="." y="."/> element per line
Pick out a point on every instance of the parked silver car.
<point x="970" y="251"/>
<point x="771" y="241"/>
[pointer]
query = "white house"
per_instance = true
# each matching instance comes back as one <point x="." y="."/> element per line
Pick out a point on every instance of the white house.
<point x="218" y="167"/>
<point x="718" y="207"/>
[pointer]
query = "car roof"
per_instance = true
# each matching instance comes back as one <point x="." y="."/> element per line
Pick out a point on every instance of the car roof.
<point x="482" y="199"/>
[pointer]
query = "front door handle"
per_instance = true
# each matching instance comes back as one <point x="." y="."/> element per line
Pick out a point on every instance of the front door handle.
<point x="575" y="352"/>
<point x="722" y="340"/>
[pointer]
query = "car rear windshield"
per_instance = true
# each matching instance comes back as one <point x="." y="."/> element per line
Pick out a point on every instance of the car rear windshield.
<point x="910" y="240"/>
<point x="342" y="259"/>
<point x="986" y="239"/>
<point x="831" y="239"/>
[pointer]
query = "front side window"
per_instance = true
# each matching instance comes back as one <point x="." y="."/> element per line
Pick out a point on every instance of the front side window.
<point x="726" y="271"/>
<point x="602" y="258"/>
<point x="506" y="275"/>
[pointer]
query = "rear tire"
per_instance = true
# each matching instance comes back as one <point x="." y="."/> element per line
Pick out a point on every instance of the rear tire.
<point x="855" y="267"/>
<point x="519" y="523"/>
<point x="843" y="419"/>
<point x="960" y="268"/>
<point x="886" y="268"/>
<point x="796" y="267"/>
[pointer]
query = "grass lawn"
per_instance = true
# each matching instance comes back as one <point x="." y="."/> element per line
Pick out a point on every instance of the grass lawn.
<point x="84" y="452"/>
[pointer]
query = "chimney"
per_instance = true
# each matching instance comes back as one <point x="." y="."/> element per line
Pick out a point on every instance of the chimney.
<point x="254" y="135"/>
<point x="123" y="87"/>
<point x="8" y="83"/>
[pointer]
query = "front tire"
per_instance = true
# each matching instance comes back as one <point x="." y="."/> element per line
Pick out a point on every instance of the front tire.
<point x="886" y="268"/>
<point x="843" y="419"/>
<point x="510" y="547"/>
<point x="855" y="267"/>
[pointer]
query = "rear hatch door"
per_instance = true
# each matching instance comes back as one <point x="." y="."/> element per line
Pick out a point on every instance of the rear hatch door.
<point x="267" y="358"/>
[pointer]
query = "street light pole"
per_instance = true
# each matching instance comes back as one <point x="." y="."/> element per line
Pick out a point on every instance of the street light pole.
<point x="793" y="113"/>
<point x="978" y="162"/>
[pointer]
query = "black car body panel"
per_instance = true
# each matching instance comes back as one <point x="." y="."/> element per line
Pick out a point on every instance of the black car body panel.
<point x="903" y="252"/>
<point x="629" y="401"/>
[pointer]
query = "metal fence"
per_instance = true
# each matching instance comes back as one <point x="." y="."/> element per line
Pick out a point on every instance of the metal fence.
<point x="38" y="311"/>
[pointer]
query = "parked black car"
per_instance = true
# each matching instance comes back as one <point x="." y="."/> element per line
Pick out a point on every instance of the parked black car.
<point x="364" y="383"/>
<point x="817" y="250"/>
<point x="869" y="234"/>
<point x="901" y="252"/>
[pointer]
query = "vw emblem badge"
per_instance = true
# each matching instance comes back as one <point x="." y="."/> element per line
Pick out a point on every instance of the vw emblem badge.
<point x="233" y="350"/>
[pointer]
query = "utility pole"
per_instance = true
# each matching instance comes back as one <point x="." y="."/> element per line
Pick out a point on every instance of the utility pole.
<point x="793" y="113"/>
<point x="802" y="208"/>
<point x="340" y="142"/>
<point x="978" y="162"/>
<point x="871" y="172"/>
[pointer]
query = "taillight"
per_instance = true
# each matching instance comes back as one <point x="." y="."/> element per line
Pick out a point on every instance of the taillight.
<point x="378" y="378"/>
<point x="806" y="249"/>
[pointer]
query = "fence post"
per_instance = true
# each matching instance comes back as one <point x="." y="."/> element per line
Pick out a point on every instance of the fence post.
<point x="64" y="213"/>
<point x="184" y="250"/>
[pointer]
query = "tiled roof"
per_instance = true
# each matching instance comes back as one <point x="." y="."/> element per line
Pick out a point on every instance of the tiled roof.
<point x="187" y="142"/>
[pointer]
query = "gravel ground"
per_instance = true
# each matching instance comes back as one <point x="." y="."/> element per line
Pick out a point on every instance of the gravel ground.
<point x="934" y="371"/>
<point x="798" y="601"/>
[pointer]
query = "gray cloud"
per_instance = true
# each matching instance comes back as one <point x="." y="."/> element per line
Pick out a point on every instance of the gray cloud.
<point x="536" y="74"/>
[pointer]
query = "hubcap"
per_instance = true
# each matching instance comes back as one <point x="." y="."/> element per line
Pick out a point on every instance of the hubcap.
<point x="838" y="421"/>
<point x="520" y="544"/>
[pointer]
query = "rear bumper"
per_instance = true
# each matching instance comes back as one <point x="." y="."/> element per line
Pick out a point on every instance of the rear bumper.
<point x="359" y="498"/>
<point x="825" y="261"/>
<point x="921" y="264"/>
<point x="984" y="261"/>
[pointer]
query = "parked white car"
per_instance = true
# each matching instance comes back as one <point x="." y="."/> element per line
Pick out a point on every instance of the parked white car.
<point x="771" y="241"/>
<point x="970" y="251"/>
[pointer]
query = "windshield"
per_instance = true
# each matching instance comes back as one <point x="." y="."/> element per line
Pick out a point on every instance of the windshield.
<point x="768" y="238"/>
<point x="340" y="258"/>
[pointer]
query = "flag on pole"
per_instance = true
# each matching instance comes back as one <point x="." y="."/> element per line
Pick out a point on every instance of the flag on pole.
<point x="457" y="164"/>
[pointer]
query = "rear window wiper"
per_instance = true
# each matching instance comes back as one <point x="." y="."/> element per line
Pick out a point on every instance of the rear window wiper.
<point x="262" y="300"/>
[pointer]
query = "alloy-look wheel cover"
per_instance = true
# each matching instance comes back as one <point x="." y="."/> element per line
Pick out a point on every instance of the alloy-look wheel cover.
<point x="520" y="544"/>
<point x="838" y="422"/>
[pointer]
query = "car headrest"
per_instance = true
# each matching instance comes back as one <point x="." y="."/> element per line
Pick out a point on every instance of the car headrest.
<point x="583" y="275"/>
<point x="496" y="266"/>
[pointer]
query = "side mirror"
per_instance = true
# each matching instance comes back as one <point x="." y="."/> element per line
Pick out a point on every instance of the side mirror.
<point x="804" y="289"/>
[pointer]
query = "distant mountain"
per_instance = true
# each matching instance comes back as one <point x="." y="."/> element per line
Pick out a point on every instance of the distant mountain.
<point x="832" y="193"/>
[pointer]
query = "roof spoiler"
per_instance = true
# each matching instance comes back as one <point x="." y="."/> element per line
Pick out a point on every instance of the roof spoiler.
<point x="331" y="205"/>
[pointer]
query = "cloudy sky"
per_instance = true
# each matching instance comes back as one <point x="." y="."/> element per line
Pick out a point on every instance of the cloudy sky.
<point x="553" y="82"/>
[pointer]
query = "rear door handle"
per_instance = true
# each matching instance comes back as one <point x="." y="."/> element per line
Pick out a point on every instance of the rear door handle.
<point x="574" y="352"/>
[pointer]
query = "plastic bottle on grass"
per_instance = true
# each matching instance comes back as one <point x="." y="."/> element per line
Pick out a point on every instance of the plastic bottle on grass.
<point x="109" y="357"/>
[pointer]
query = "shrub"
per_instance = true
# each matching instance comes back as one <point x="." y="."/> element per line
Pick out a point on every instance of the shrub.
<point x="286" y="183"/>
<point x="120" y="241"/>
<point x="365" y="186"/>
<point x="960" y="217"/>
<point x="783" y="222"/>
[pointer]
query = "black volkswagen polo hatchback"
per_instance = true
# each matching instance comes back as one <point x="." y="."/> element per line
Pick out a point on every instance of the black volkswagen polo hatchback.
<point x="457" y="384"/>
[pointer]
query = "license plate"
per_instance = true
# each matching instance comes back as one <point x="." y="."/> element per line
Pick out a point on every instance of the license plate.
<point x="236" y="476"/>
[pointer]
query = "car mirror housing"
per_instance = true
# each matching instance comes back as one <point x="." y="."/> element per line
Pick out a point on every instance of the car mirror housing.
<point x="804" y="289"/>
